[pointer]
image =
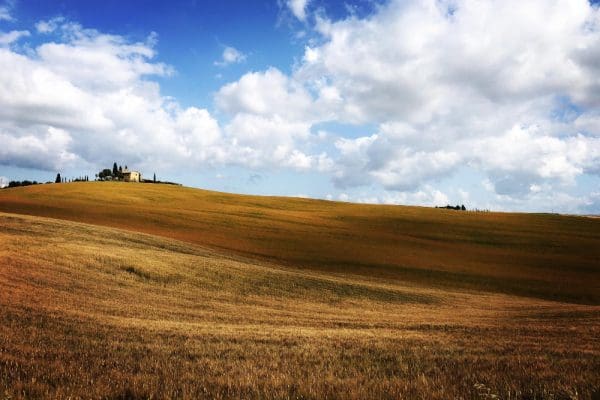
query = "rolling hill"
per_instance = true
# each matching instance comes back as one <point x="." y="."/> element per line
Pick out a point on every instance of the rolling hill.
<point x="539" y="255"/>
<point x="112" y="290"/>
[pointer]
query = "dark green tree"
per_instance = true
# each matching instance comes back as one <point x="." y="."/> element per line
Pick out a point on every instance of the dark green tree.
<point x="115" y="170"/>
<point x="58" y="179"/>
<point x="105" y="173"/>
<point x="154" y="179"/>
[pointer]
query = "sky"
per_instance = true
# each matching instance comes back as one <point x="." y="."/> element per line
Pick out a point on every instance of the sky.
<point x="494" y="104"/>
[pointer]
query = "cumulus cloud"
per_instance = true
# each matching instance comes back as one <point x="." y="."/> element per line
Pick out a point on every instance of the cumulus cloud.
<point x="230" y="56"/>
<point x="390" y="162"/>
<point x="266" y="93"/>
<point x="11" y="37"/>
<point x="510" y="89"/>
<point x="50" y="25"/>
<point x="270" y="140"/>
<point x="522" y="158"/>
<point x="82" y="99"/>
<point x="86" y="98"/>
<point x="413" y="59"/>
<point x="298" y="8"/>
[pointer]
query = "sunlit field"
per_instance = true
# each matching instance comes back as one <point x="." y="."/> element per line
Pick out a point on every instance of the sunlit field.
<point x="537" y="255"/>
<point x="201" y="294"/>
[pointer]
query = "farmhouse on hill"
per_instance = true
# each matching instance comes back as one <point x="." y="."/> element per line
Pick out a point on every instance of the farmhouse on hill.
<point x="131" y="176"/>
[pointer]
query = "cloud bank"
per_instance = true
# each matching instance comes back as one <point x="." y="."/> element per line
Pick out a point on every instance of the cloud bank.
<point x="509" y="89"/>
<point x="85" y="98"/>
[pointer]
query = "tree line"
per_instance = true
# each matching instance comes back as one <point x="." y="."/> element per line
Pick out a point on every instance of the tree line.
<point x="60" y="179"/>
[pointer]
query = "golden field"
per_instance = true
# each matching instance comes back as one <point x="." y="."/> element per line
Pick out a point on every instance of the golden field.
<point x="200" y="294"/>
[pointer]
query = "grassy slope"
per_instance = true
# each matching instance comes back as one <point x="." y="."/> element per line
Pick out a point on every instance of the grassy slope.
<point x="537" y="255"/>
<point x="95" y="312"/>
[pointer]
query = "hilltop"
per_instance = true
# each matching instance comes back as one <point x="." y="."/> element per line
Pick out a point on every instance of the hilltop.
<point x="544" y="256"/>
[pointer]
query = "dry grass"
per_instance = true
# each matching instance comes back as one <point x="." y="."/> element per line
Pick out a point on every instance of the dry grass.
<point x="542" y="256"/>
<point x="94" y="312"/>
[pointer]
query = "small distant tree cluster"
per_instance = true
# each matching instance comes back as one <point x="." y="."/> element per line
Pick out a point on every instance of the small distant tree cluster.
<point x="107" y="174"/>
<point x="13" y="184"/>
<point x="456" y="207"/>
<point x="60" y="179"/>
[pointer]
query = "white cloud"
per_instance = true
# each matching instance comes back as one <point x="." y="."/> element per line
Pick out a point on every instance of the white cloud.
<point x="271" y="141"/>
<point x="387" y="161"/>
<point x="89" y="54"/>
<point x="5" y="13"/>
<point x="426" y="196"/>
<point x="266" y="93"/>
<point x="3" y="182"/>
<point x="11" y="37"/>
<point x="89" y="98"/>
<point x="298" y="8"/>
<point x="230" y="56"/>
<point x="45" y="150"/>
<point x="50" y="25"/>
<point x="549" y="201"/>
<point x="311" y="55"/>
<point x="84" y="100"/>
<point x="263" y="132"/>
<point x="522" y="157"/>
<point x="478" y="87"/>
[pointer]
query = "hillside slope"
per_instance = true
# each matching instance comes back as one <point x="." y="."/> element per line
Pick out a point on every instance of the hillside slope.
<point x="537" y="255"/>
<point x="95" y="312"/>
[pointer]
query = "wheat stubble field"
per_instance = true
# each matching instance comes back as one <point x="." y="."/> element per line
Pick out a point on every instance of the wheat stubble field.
<point x="110" y="290"/>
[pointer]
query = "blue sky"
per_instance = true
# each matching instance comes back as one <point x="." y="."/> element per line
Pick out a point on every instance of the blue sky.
<point x="491" y="104"/>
